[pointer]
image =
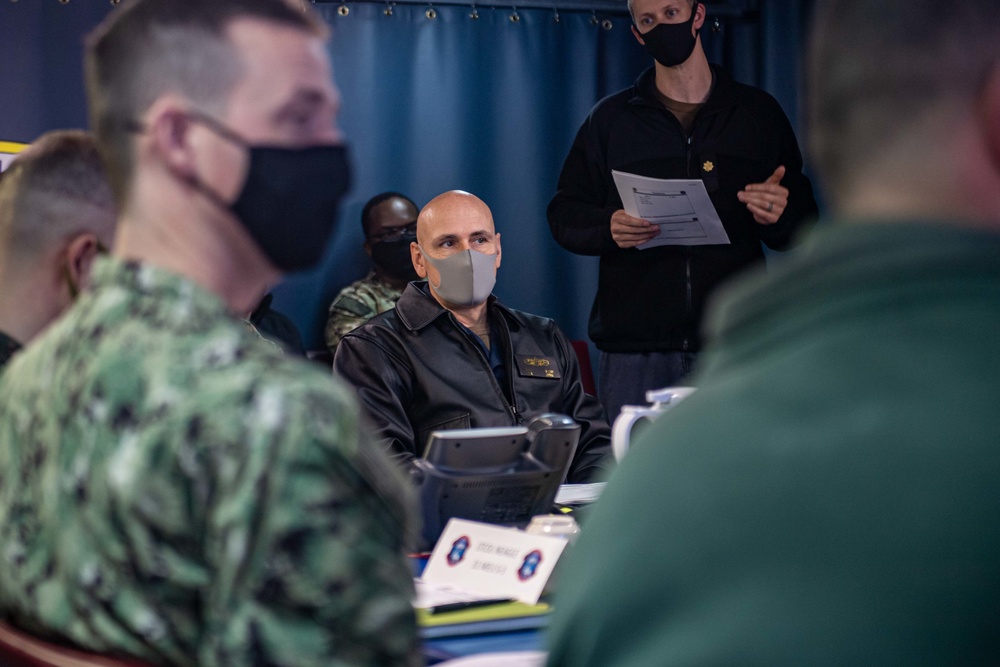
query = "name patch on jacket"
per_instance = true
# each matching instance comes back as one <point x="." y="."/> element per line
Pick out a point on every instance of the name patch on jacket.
<point x="537" y="367"/>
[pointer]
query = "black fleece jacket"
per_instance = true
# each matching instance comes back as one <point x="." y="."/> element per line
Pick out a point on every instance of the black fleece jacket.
<point x="653" y="299"/>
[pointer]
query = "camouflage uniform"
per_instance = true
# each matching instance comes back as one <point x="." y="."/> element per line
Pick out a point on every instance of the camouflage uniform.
<point x="8" y="346"/>
<point x="356" y="304"/>
<point x="173" y="490"/>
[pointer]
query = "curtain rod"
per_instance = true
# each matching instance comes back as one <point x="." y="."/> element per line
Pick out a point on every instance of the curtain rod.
<point x="743" y="11"/>
<point x="615" y="7"/>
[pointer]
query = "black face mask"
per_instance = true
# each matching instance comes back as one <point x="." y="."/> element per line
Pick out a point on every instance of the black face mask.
<point x="289" y="200"/>
<point x="393" y="258"/>
<point x="671" y="44"/>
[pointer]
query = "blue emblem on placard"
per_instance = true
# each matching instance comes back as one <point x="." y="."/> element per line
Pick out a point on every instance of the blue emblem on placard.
<point x="529" y="567"/>
<point x="458" y="549"/>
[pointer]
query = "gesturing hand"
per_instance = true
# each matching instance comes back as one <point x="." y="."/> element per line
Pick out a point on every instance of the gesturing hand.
<point x="767" y="200"/>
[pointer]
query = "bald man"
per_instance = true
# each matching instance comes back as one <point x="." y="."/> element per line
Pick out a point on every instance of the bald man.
<point x="452" y="356"/>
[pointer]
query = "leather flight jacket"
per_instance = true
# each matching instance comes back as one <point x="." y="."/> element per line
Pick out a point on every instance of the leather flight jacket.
<point x="417" y="370"/>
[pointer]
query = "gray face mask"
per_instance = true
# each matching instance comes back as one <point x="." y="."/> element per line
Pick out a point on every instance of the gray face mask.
<point x="467" y="277"/>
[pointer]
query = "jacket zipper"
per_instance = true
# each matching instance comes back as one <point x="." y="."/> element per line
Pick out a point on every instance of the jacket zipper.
<point x="686" y="345"/>
<point x="515" y="416"/>
<point x="688" y="156"/>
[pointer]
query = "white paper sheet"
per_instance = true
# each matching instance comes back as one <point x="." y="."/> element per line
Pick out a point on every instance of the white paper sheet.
<point x="575" y="494"/>
<point x="681" y="208"/>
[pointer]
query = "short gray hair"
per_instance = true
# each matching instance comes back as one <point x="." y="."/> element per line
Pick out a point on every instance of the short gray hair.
<point x="877" y="68"/>
<point x="55" y="189"/>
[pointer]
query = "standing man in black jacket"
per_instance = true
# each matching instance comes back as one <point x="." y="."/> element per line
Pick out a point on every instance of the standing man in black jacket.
<point x="683" y="118"/>
<point x="450" y="355"/>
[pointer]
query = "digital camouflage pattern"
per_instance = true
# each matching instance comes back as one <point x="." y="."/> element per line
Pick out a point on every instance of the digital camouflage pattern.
<point x="356" y="304"/>
<point x="174" y="490"/>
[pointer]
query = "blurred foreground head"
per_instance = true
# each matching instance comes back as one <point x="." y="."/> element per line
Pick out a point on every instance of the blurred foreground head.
<point x="905" y="107"/>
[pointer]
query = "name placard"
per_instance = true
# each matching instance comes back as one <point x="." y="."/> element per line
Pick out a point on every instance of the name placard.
<point x="492" y="561"/>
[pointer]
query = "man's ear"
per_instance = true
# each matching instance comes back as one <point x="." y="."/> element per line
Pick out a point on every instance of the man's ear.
<point x="699" y="19"/>
<point x="168" y="126"/>
<point x="80" y="254"/>
<point x="418" y="260"/>
<point x="635" y="33"/>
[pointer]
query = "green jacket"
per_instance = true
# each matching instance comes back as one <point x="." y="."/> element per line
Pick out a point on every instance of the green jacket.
<point x="830" y="494"/>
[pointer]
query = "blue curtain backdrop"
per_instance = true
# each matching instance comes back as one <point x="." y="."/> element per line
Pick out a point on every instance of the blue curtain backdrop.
<point x="432" y="101"/>
<point x="489" y="105"/>
<point x="41" y="65"/>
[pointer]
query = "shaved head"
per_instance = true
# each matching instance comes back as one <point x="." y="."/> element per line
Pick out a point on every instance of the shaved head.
<point x="451" y="210"/>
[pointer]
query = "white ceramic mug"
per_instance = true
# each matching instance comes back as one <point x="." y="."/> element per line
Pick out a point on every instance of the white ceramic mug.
<point x="661" y="399"/>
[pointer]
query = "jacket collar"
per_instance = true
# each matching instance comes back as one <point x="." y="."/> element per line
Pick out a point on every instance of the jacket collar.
<point x="855" y="267"/>
<point x="721" y="97"/>
<point x="417" y="308"/>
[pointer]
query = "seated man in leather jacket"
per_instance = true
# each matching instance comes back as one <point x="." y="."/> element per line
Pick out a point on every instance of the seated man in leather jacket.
<point x="452" y="356"/>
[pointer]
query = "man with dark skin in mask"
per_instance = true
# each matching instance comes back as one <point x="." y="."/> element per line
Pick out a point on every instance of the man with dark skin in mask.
<point x="389" y="223"/>
<point x="683" y="118"/>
